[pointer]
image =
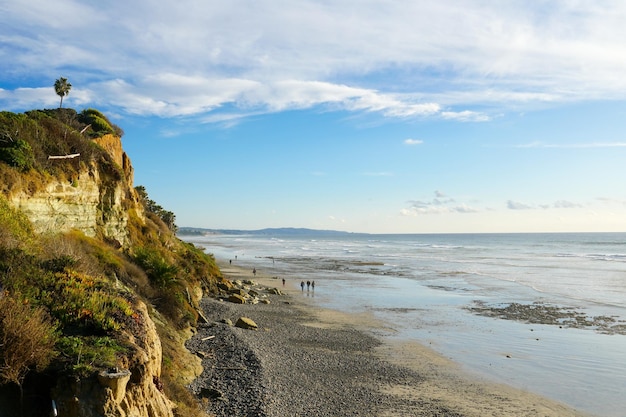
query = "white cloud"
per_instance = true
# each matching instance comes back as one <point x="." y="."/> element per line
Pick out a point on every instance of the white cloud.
<point x="566" y="204"/>
<point x="466" y="116"/>
<point x="441" y="204"/>
<point x="445" y="59"/>
<point x="516" y="205"/>
<point x="559" y="204"/>
<point x="413" y="141"/>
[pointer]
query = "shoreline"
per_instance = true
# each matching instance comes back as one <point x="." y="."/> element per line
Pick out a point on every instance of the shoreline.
<point x="308" y="360"/>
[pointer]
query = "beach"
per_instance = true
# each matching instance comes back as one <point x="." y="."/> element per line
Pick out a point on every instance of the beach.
<point x="305" y="360"/>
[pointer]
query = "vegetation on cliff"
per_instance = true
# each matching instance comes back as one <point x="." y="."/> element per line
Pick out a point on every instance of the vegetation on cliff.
<point x="80" y="293"/>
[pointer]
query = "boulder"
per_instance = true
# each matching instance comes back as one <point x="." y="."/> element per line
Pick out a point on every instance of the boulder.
<point x="238" y="291"/>
<point x="274" y="291"/>
<point x="246" y="323"/>
<point x="212" y="393"/>
<point x="227" y="322"/>
<point x="225" y="281"/>
<point x="237" y="299"/>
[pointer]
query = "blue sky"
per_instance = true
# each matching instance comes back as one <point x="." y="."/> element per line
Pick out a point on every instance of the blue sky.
<point x="365" y="116"/>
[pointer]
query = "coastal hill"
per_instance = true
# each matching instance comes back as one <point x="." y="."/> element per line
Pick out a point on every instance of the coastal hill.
<point x="97" y="294"/>
<point x="280" y="231"/>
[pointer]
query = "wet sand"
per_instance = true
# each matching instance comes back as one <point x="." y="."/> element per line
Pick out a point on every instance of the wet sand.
<point x="309" y="361"/>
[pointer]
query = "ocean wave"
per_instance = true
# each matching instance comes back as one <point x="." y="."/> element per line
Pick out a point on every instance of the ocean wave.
<point x="616" y="257"/>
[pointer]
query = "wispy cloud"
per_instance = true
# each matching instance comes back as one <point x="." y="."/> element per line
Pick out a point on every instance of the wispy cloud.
<point x="566" y="204"/>
<point x="516" y="205"/>
<point x="559" y="204"/>
<point x="413" y="142"/>
<point x="441" y="204"/>
<point x="270" y="56"/>
<point x="611" y="201"/>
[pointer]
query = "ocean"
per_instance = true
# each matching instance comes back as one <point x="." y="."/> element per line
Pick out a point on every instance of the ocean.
<point x="541" y="312"/>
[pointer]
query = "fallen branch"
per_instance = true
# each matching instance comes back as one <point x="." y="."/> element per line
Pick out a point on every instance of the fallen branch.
<point x="74" y="155"/>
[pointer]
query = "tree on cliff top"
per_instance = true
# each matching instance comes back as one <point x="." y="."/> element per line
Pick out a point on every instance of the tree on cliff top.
<point x="62" y="88"/>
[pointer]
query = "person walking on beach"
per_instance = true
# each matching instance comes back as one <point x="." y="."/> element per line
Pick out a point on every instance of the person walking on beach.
<point x="313" y="285"/>
<point x="308" y="285"/>
<point x="302" y="285"/>
<point x="254" y="272"/>
<point x="283" y="282"/>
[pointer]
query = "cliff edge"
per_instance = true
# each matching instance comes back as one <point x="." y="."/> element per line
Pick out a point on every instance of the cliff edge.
<point x="90" y="264"/>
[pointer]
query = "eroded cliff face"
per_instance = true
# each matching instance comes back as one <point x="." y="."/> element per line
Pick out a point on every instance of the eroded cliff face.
<point x="94" y="202"/>
<point x="99" y="200"/>
<point x="133" y="390"/>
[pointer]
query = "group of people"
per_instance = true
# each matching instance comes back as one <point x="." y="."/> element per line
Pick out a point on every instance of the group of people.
<point x="309" y="285"/>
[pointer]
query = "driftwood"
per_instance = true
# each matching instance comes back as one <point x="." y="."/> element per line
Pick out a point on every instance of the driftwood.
<point x="74" y="155"/>
<point x="207" y="338"/>
<point x="201" y="316"/>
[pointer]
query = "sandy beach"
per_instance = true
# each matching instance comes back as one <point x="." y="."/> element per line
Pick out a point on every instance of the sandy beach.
<point x="304" y="360"/>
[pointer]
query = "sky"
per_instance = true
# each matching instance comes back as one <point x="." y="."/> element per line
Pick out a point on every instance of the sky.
<point x="379" y="116"/>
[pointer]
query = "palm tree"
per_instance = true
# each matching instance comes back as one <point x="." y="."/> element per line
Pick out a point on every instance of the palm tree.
<point x="62" y="88"/>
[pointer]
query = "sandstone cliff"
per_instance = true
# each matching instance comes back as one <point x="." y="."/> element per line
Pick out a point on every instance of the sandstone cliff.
<point x="133" y="389"/>
<point x="90" y="201"/>
<point x="133" y="259"/>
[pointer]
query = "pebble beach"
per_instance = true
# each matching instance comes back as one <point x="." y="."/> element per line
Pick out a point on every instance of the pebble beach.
<point x="304" y="360"/>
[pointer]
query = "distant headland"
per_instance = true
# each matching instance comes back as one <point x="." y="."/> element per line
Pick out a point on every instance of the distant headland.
<point x="280" y="231"/>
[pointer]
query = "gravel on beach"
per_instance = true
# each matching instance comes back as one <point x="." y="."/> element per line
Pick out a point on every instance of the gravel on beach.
<point x="291" y="368"/>
<point x="304" y="360"/>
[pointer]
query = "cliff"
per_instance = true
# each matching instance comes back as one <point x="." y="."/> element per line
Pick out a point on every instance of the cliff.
<point x="131" y="389"/>
<point x="80" y="243"/>
<point x="91" y="201"/>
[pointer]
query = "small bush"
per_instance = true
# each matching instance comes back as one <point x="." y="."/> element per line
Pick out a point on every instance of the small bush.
<point x="18" y="154"/>
<point x="84" y="354"/>
<point x="27" y="338"/>
<point x="15" y="228"/>
<point x="100" y="124"/>
<point x="59" y="264"/>
<point x="160" y="272"/>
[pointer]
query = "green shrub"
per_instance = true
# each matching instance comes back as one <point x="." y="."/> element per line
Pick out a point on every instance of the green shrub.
<point x="18" y="154"/>
<point x="84" y="354"/>
<point x="15" y="228"/>
<point x="100" y="124"/>
<point x="60" y="263"/>
<point x="160" y="272"/>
